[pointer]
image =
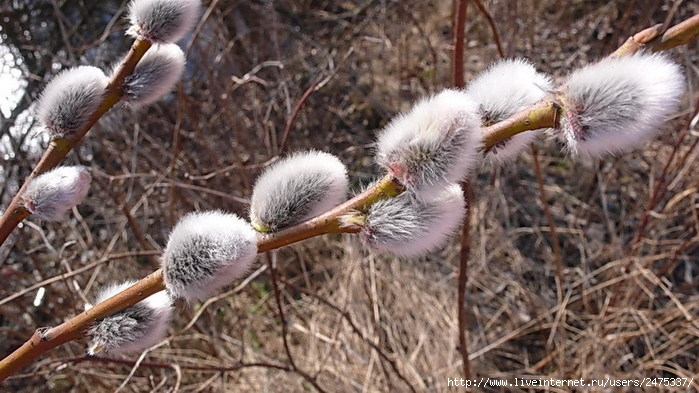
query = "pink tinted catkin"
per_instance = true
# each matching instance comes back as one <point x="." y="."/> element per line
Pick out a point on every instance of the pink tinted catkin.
<point x="435" y="143"/>
<point x="618" y="103"/>
<point x="51" y="195"/>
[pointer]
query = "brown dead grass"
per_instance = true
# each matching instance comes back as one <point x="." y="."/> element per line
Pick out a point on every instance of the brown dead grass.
<point x="358" y="322"/>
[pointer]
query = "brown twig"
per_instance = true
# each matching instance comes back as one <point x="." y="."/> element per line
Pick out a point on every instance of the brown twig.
<point x="48" y="338"/>
<point x="493" y="28"/>
<point x="355" y="329"/>
<point x="458" y="81"/>
<point x="59" y="148"/>
<point x="280" y="310"/>
<point x="294" y="113"/>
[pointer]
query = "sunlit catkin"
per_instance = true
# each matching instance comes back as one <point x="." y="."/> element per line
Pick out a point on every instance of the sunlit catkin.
<point x="504" y="89"/>
<point x="51" y="195"/>
<point x="297" y="188"/>
<point x="69" y="99"/>
<point x="435" y="143"/>
<point x="408" y="226"/>
<point x="155" y="75"/>
<point x="162" y="21"/>
<point x="206" y="251"/>
<point x="617" y="104"/>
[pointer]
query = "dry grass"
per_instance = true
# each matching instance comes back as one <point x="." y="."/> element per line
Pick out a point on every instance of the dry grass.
<point x="354" y="321"/>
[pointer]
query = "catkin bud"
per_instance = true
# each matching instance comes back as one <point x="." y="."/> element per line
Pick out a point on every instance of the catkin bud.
<point x="155" y="75"/>
<point x="504" y="89"/>
<point x="296" y="188"/>
<point x="162" y="21"/>
<point x="51" y="195"/>
<point x="617" y="104"/>
<point x="206" y="251"/>
<point x="69" y="99"/>
<point x="133" y="329"/>
<point x="408" y="226"/>
<point x="436" y="143"/>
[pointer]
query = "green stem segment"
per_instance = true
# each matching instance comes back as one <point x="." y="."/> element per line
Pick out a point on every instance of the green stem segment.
<point x="544" y="114"/>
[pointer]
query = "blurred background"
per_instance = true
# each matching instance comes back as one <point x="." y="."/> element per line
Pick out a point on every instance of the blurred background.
<point x="626" y="304"/>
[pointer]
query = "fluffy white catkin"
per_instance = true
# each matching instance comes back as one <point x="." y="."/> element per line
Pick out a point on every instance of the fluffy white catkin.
<point x="435" y="143"/>
<point x="296" y="188"/>
<point x="502" y="90"/>
<point x="133" y="329"/>
<point x="617" y="104"/>
<point x="206" y="251"/>
<point x="162" y="21"/>
<point x="155" y="75"/>
<point x="69" y="99"/>
<point x="51" y="195"/>
<point x="411" y="227"/>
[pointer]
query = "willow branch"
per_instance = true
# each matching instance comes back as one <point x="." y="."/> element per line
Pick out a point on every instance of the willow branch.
<point x="546" y="114"/>
<point x="541" y="115"/>
<point x="45" y="339"/>
<point x="59" y="147"/>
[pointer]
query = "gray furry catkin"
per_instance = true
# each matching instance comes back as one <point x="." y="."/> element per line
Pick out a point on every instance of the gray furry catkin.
<point x="408" y="226"/>
<point x="69" y="99"/>
<point x="435" y="143"/>
<point x="297" y="188"/>
<point x="162" y="21"/>
<point x="505" y="88"/>
<point x="155" y="75"/>
<point x="618" y="103"/>
<point x="133" y="329"/>
<point x="205" y="251"/>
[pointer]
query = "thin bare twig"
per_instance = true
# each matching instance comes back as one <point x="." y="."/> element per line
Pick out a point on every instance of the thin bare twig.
<point x="460" y="10"/>
<point x="280" y="310"/>
<point x="355" y="329"/>
<point x="493" y="28"/>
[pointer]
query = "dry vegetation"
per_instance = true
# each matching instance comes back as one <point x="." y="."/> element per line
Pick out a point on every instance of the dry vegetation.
<point x="353" y="321"/>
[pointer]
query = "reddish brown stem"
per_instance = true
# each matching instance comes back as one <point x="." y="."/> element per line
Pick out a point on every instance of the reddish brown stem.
<point x="465" y="254"/>
<point x="59" y="148"/>
<point x="294" y="113"/>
